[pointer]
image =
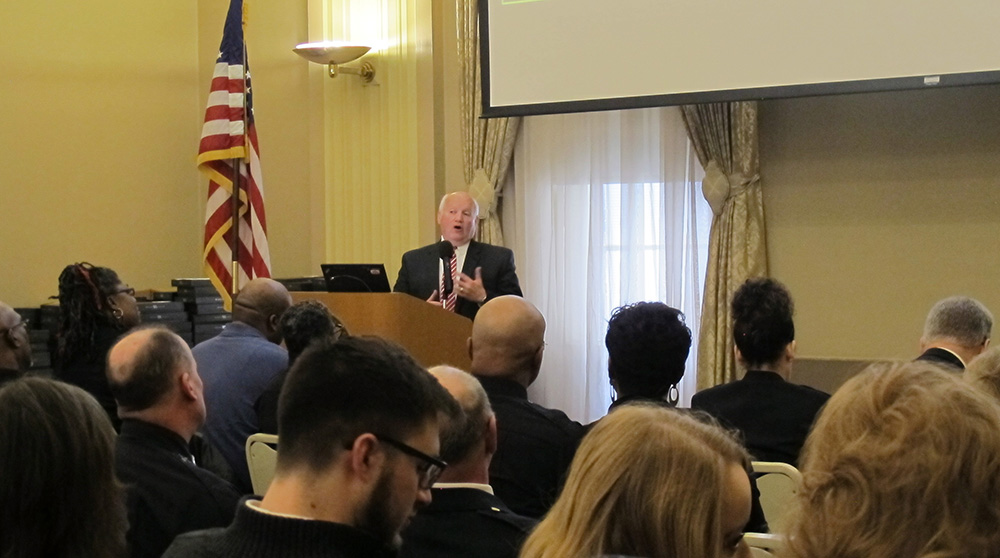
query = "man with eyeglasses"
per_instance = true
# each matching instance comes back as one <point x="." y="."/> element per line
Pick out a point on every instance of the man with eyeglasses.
<point x="358" y="438"/>
<point x="15" y="345"/>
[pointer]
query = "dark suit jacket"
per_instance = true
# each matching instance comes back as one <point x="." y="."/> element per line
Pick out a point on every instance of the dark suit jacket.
<point x="465" y="523"/>
<point x="943" y="357"/>
<point x="418" y="274"/>
<point x="167" y="493"/>
<point x="535" y="447"/>
<point x="774" y="416"/>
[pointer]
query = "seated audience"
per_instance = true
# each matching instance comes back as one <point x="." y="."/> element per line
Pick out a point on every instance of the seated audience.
<point x="772" y="414"/>
<point x="648" y="344"/>
<point x="15" y="345"/>
<point x="957" y="329"/>
<point x="649" y="481"/>
<point x="358" y="429"/>
<point x="535" y="445"/>
<point x="238" y="365"/>
<point x="58" y="489"/>
<point x="464" y="517"/>
<point x="902" y="463"/>
<point x="984" y="372"/>
<point x="159" y="393"/>
<point x="95" y="309"/>
<point x="303" y="323"/>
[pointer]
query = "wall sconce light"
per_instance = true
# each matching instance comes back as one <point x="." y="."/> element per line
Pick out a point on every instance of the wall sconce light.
<point x="333" y="54"/>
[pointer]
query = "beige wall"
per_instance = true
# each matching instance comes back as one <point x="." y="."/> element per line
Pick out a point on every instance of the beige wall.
<point x="878" y="205"/>
<point x="98" y="105"/>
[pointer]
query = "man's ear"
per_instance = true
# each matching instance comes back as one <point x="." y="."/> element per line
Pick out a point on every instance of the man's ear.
<point x="188" y="388"/>
<point x="790" y="350"/>
<point x="490" y="437"/>
<point x="366" y="457"/>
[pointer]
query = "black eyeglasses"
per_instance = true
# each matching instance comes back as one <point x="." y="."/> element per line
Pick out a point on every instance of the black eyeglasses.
<point x="23" y="322"/>
<point x="429" y="470"/>
<point x="127" y="290"/>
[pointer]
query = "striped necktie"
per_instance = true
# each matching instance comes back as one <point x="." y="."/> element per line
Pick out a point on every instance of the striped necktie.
<point x="449" y="303"/>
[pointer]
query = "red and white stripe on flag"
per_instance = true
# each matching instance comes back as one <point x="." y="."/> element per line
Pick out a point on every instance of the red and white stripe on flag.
<point x="228" y="138"/>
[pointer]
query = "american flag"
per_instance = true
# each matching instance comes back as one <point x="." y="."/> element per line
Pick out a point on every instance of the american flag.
<point x="228" y="139"/>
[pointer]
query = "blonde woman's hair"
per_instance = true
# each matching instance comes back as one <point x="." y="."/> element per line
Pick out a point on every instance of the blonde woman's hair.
<point x="646" y="481"/>
<point x="984" y="372"/>
<point x="904" y="462"/>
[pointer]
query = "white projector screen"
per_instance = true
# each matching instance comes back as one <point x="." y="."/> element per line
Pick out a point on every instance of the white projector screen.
<point x="551" y="56"/>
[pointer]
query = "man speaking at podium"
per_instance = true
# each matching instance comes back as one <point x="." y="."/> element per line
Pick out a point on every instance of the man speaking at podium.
<point x="487" y="271"/>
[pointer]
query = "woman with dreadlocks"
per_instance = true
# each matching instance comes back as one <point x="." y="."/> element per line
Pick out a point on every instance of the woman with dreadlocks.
<point x="96" y="308"/>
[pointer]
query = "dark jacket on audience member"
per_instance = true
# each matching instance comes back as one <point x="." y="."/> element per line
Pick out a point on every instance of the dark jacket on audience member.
<point x="774" y="416"/>
<point x="465" y="522"/>
<point x="167" y="493"/>
<point x="535" y="447"/>
<point x="255" y="534"/>
<point x="943" y="357"/>
<point x="87" y="372"/>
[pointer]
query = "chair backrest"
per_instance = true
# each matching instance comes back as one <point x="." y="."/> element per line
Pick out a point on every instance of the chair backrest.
<point x="778" y="484"/>
<point x="262" y="455"/>
<point x="763" y="545"/>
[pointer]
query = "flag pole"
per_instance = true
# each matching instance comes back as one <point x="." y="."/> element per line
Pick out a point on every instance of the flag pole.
<point x="235" y="249"/>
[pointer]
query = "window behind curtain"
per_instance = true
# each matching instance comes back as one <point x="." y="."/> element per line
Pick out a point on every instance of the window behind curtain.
<point x="609" y="212"/>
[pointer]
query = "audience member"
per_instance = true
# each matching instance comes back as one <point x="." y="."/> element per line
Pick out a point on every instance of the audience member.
<point x="984" y="372"/>
<point x="649" y="481"/>
<point x="303" y="323"/>
<point x="238" y="365"/>
<point x="154" y="379"/>
<point x="59" y="492"/>
<point x="902" y="463"/>
<point x="95" y="309"/>
<point x="957" y="329"/>
<point x="358" y="429"/>
<point x="648" y="344"/>
<point x="482" y="271"/>
<point x="465" y="518"/>
<point x="773" y="414"/>
<point x="535" y="445"/>
<point x="15" y="346"/>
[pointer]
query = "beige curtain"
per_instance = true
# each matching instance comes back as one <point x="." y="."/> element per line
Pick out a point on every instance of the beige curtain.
<point x="725" y="137"/>
<point x="487" y="144"/>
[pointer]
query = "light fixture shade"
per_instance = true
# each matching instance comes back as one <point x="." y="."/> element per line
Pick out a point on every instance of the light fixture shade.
<point x="329" y="52"/>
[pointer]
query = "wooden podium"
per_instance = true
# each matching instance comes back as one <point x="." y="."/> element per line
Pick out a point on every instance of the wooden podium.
<point x="431" y="334"/>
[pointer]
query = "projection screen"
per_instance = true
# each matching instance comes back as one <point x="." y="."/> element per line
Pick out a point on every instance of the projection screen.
<point x="550" y="56"/>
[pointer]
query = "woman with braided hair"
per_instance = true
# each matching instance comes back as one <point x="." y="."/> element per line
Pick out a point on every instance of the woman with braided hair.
<point x="96" y="308"/>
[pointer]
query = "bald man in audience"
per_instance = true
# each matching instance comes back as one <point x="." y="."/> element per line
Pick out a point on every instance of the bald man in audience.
<point x="464" y="517"/>
<point x="956" y="331"/>
<point x="155" y="383"/>
<point x="535" y="445"/>
<point x="238" y="365"/>
<point x="15" y="345"/>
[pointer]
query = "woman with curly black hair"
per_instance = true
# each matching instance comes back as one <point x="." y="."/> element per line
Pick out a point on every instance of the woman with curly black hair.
<point x="96" y="308"/>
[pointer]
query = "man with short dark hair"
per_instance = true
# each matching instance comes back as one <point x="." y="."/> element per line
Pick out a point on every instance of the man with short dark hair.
<point x="15" y="344"/>
<point x="535" y="445"/>
<point x="155" y="382"/>
<point x="238" y="365"/>
<point x="357" y="443"/>
<point x="957" y="330"/>
<point x="465" y="518"/>
<point x="648" y="344"/>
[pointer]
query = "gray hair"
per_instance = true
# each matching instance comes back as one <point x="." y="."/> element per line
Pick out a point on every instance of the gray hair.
<point x="961" y="319"/>
<point x="463" y="432"/>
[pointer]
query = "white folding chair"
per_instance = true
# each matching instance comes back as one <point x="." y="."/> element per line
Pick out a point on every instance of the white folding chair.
<point x="262" y="455"/>
<point x="778" y="484"/>
<point x="763" y="545"/>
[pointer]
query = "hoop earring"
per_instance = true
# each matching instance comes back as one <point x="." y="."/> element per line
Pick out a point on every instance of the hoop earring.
<point x="673" y="395"/>
<point x="118" y="313"/>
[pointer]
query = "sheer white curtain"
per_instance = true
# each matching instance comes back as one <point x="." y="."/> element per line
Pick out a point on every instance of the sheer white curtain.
<point x="608" y="212"/>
